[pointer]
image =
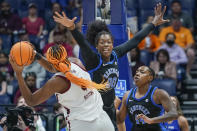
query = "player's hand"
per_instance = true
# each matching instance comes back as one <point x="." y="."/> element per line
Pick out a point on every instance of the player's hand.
<point x="64" y="20"/>
<point x="145" y="118"/>
<point x="159" y="13"/>
<point x="16" y="68"/>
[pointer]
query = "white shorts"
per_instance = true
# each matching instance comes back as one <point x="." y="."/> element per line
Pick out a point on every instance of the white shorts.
<point x="102" y="123"/>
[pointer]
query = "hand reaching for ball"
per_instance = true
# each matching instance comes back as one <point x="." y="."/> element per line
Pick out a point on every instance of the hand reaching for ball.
<point x="16" y="68"/>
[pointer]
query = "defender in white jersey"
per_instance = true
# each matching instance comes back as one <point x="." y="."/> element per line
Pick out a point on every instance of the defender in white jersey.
<point x="74" y="90"/>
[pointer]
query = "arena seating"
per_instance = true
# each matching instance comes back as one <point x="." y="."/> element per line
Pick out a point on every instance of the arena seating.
<point x="168" y="85"/>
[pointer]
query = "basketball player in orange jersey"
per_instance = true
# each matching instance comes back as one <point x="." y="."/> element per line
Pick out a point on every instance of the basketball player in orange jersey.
<point x="74" y="90"/>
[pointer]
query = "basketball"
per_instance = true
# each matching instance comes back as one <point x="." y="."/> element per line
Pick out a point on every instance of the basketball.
<point x="22" y="53"/>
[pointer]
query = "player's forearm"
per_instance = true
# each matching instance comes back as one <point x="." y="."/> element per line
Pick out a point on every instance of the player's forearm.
<point x="25" y="91"/>
<point x="119" y="117"/>
<point x="89" y="57"/>
<point x="172" y="115"/>
<point x="44" y="63"/>
<point x="133" y="43"/>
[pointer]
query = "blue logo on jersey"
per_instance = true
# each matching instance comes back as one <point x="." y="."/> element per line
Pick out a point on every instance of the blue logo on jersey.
<point x="121" y="88"/>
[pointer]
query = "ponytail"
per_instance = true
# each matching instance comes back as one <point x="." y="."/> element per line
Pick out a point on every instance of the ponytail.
<point x="57" y="56"/>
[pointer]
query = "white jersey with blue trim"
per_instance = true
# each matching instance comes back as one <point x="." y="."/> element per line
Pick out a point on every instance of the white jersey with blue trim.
<point x="80" y="103"/>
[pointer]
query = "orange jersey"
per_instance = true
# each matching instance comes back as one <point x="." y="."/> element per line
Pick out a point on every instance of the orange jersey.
<point x="155" y="43"/>
<point x="183" y="37"/>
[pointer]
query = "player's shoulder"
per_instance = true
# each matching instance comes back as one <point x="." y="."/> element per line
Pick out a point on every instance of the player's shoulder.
<point x="182" y="119"/>
<point x="185" y="29"/>
<point x="126" y="95"/>
<point x="77" y="62"/>
<point x="160" y="93"/>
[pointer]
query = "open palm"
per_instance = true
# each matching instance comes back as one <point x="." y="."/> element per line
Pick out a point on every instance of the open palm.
<point x="159" y="13"/>
<point x="64" y="20"/>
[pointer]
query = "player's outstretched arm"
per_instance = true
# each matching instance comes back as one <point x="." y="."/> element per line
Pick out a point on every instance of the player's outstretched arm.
<point x="89" y="56"/>
<point x="133" y="43"/>
<point x="122" y="113"/>
<point x="43" y="93"/>
<point x="44" y="63"/>
<point x="162" y="97"/>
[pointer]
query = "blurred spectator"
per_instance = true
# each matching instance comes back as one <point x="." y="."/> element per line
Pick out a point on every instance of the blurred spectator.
<point x="3" y="85"/>
<point x="184" y="39"/>
<point x="4" y="99"/>
<point x="181" y="124"/>
<point x="135" y="60"/>
<point x="76" y="48"/>
<point x="163" y="67"/>
<point x="63" y="3"/>
<point x="67" y="36"/>
<point x="176" y="12"/>
<point x="58" y="37"/>
<point x="23" y="36"/>
<point x="21" y="101"/>
<point x="103" y="9"/>
<point x="183" y="35"/>
<point x="73" y="42"/>
<point x="59" y="28"/>
<point x="38" y="70"/>
<point x="1" y="44"/>
<point x="177" y="54"/>
<point x="37" y="120"/>
<point x="72" y="9"/>
<point x="33" y="24"/>
<point x="59" y="109"/>
<point x="30" y="79"/>
<point x="9" y="21"/>
<point x="50" y="23"/>
<point x="5" y="66"/>
<point x="151" y="43"/>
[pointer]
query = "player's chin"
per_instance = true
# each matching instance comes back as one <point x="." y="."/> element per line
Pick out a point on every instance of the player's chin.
<point x="106" y="54"/>
<point x="137" y="82"/>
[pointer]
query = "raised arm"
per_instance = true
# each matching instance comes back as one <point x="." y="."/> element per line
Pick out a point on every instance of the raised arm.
<point x="90" y="58"/>
<point x="162" y="97"/>
<point x="133" y="43"/>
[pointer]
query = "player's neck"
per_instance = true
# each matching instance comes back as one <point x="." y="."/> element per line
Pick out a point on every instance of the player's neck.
<point x="143" y="89"/>
<point x="106" y="59"/>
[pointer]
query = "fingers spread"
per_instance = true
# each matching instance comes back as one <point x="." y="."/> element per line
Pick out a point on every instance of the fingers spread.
<point x="160" y="7"/>
<point x="164" y="10"/>
<point x="64" y="15"/>
<point x="56" y="19"/>
<point x="58" y="14"/>
<point x="165" y="21"/>
<point x="73" y="20"/>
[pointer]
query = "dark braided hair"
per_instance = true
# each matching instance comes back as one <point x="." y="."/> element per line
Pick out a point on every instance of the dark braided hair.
<point x="152" y="73"/>
<point x="94" y="29"/>
<point x="99" y="35"/>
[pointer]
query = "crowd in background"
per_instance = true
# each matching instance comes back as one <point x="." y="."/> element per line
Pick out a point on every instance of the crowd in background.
<point x="169" y="51"/>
